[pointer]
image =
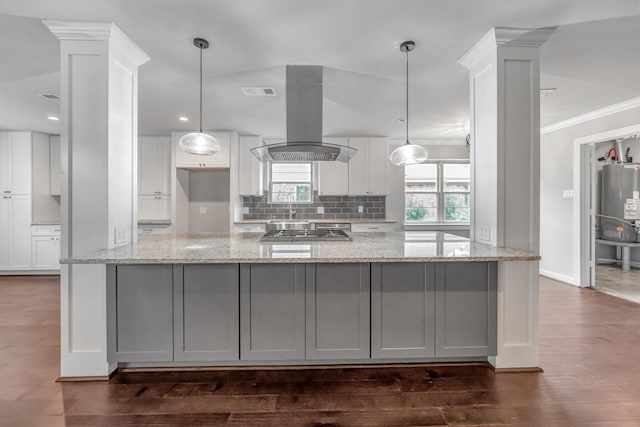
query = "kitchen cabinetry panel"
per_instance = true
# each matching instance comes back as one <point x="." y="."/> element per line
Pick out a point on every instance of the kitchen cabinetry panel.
<point x="154" y="207"/>
<point x="466" y="309"/>
<point x="55" y="160"/>
<point x="358" y="167"/>
<point x="15" y="232"/>
<point x="45" y="252"/>
<point x="272" y="311"/>
<point x="333" y="177"/>
<point x="141" y="320"/>
<point x="250" y="170"/>
<point x="154" y="165"/>
<point x="206" y="301"/>
<point x="15" y="162"/>
<point x="337" y="300"/>
<point x="402" y="310"/>
<point x="359" y="227"/>
<point x="192" y="161"/>
<point x="377" y="166"/>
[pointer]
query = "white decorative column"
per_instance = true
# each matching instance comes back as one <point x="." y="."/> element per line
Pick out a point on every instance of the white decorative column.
<point x="99" y="117"/>
<point x="504" y="74"/>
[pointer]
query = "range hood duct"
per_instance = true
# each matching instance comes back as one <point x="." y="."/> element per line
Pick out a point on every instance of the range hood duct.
<point x="304" y="122"/>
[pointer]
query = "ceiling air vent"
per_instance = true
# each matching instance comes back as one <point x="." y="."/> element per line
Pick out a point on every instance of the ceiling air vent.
<point x="258" y="91"/>
<point x="54" y="97"/>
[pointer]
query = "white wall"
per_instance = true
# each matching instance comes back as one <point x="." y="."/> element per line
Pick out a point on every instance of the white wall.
<point x="556" y="174"/>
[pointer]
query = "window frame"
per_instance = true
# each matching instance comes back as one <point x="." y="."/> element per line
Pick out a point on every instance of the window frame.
<point x="271" y="182"/>
<point x="440" y="194"/>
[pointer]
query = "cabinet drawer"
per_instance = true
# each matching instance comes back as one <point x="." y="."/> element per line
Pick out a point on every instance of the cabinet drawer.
<point x="45" y="230"/>
<point x="249" y="228"/>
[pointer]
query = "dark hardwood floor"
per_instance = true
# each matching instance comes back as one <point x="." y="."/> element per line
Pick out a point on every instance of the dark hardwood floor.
<point x="590" y="352"/>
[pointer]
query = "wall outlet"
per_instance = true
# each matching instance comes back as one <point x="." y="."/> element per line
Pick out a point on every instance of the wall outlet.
<point x="567" y="194"/>
<point x="360" y="209"/>
<point x="245" y="210"/>
<point x="484" y="233"/>
<point x="320" y="209"/>
<point x="203" y="210"/>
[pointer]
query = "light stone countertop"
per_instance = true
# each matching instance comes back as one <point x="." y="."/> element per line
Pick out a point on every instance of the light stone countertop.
<point x="318" y="221"/>
<point x="218" y="248"/>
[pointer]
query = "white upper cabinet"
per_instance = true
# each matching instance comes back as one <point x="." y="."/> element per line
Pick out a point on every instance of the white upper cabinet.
<point x="333" y="177"/>
<point x="54" y="165"/>
<point x="154" y="165"/>
<point x="367" y="169"/>
<point x="221" y="159"/>
<point x="250" y="170"/>
<point x="15" y="162"/>
<point x="377" y="165"/>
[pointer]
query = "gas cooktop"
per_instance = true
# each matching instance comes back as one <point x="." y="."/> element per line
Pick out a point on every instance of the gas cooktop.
<point x="326" y="235"/>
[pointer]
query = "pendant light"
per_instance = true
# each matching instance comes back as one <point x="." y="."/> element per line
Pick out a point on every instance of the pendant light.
<point x="409" y="153"/>
<point x="199" y="142"/>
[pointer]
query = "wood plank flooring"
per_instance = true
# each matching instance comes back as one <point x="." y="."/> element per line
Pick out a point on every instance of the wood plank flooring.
<point x="590" y="352"/>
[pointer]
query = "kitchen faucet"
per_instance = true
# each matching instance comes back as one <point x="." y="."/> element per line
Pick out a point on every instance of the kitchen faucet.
<point x="291" y="211"/>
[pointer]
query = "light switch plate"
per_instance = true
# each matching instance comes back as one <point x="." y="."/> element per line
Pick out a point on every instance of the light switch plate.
<point x="484" y="233"/>
<point x="320" y="209"/>
<point x="360" y="209"/>
<point x="567" y="194"/>
<point x="245" y="210"/>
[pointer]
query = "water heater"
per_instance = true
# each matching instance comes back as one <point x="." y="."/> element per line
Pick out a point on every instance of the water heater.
<point x="618" y="209"/>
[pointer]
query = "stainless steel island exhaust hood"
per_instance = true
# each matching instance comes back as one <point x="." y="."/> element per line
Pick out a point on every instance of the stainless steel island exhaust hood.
<point x="304" y="122"/>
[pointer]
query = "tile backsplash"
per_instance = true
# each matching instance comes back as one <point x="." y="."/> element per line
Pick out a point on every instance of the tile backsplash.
<point x="342" y="207"/>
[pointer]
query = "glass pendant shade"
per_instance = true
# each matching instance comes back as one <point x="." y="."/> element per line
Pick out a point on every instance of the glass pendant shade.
<point x="199" y="143"/>
<point x="409" y="154"/>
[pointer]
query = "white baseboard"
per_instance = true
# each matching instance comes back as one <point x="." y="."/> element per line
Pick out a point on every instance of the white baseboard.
<point x="559" y="277"/>
<point x="30" y="273"/>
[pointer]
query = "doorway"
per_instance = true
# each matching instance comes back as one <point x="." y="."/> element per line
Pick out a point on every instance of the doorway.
<point x="600" y="262"/>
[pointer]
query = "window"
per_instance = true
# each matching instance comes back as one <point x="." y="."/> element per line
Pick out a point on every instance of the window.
<point x="437" y="192"/>
<point x="290" y="182"/>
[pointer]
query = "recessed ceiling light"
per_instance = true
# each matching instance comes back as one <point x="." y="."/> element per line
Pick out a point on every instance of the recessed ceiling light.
<point x="54" y="118"/>
<point x="183" y="119"/>
<point x="54" y="97"/>
<point x="547" y="91"/>
<point x="401" y="120"/>
<point x="258" y="91"/>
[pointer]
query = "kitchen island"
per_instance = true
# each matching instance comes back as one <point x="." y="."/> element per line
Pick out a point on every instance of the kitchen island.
<point x="228" y="299"/>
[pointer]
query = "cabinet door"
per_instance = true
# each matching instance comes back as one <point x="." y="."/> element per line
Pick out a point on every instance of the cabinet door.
<point x="359" y="167"/>
<point x="466" y="309"/>
<point x="54" y="165"/>
<point x="272" y="319"/>
<point x="402" y="310"/>
<point x="377" y="166"/>
<point x="20" y="229"/>
<point x="154" y="207"/>
<point x="148" y="165"/>
<point x="164" y="165"/>
<point x="206" y="301"/>
<point x="45" y="253"/>
<point x="6" y="164"/>
<point x="140" y="320"/>
<point x="337" y="311"/>
<point x="333" y="177"/>
<point x="249" y="168"/>
<point x="5" y="232"/>
<point x="21" y="158"/>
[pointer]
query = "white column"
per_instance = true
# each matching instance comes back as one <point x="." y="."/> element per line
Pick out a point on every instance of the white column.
<point x="504" y="75"/>
<point x="99" y="117"/>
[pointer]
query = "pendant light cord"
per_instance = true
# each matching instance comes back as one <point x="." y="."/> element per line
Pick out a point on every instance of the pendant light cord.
<point x="200" y="89"/>
<point x="407" y="102"/>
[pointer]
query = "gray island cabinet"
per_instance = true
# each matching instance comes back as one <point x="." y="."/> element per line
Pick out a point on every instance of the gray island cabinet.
<point x="228" y="299"/>
<point x="279" y="312"/>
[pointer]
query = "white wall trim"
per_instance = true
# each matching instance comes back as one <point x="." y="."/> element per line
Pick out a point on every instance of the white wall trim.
<point x="592" y="115"/>
<point x="559" y="277"/>
<point x="577" y="190"/>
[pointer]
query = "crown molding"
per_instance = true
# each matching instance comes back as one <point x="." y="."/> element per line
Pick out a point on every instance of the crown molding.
<point x="505" y="37"/>
<point x="592" y="115"/>
<point x="97" y="31"/>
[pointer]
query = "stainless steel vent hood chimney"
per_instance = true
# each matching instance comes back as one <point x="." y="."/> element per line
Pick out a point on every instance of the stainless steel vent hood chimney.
<point x="304" y="122"/>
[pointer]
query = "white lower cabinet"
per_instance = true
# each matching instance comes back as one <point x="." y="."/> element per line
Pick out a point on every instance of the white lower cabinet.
<point x="372" y="227"/>
<point x="45" y="247"/>
<point x="15" y="232"/>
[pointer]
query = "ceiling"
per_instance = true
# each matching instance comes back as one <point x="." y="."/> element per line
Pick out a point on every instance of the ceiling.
<point x="593" y="59"/>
